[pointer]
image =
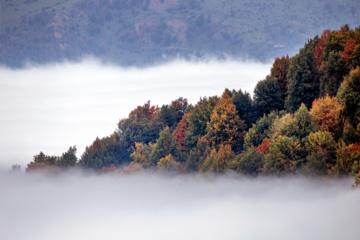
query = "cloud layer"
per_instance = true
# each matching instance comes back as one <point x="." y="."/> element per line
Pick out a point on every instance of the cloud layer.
<point x="78" y="206"/>
<point x="48" y="108"/>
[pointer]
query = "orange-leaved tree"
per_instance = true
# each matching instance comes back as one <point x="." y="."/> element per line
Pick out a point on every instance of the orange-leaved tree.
<point x="180" y="132"/>
<point x="326" y="113"/>
<point x="225" y="126"/>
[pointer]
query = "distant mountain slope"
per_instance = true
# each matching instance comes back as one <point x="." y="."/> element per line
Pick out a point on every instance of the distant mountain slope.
<point x="137" y="32"/>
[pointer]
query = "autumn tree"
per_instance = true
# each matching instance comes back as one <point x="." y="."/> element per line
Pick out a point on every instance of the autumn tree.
<point x="217" y="161"/>
<point x="111" y="169"/>
<point x="42" y="162"/>
<point x="142" y="153"/>
<point x="268" y="96"/>
<point x="298" y="129"/>
<point x="144" y="112"/>
<point x="349" y="49"/>
<point x="320" y="47"/>
<point x="168" y="163"/>
<point x="283" y="156"/>
<point x="264" y="146"/>
<point x="321" y="148"/>
<point x="279" y="71"/>
<point x="326" y="114"/>
<point x="225" y="126"/>
<point x="336" y="41"/>
<point x="323" y="140"/>
<point x="281" y="125"/>
<point x="181" y="131"/>
<point x="347" y="159"/>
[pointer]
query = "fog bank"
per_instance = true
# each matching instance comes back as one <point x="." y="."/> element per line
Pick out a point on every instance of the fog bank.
<point x="144" y="206"/>
<point x="48" y="108"/>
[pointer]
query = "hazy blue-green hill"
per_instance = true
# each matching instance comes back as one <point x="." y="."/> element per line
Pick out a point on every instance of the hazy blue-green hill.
<point x="136" y="32"/>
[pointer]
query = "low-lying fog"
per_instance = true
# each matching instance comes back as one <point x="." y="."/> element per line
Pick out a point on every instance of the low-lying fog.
<point x="80" y="206"/>
<point x="49" y="108"/>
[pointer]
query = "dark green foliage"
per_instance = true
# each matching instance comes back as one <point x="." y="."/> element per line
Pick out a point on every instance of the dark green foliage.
<point x="198" y="155"/>
<point x="350" y="134"/>
<point x="298" y="129"/>
<point x="332" y="73"/>
<point x="165" y="145"/>
<point x="42" y="158"/>
<point x="354" y="59"/>
<point x="68" y="159"/>
<point x="172" y="114"/>
<point x="105" y="152"/>
<point x="303" y="124"/>
<point x="267" y="96"/>
<point x="303" y="81"/>
<point x="244" y="106"/>
<point x="249" y="163"/>
<point x="283" y="156"/>
<point x="131" y="131"/>
<point x="317" y="163"/>
<point x="260" y="130"/>
<point x="349" y="95"/>
<point x="141" y="126"/>
<point x="199" y="116"/>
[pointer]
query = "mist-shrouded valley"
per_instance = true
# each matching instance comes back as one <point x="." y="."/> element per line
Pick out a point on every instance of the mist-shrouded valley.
<point x="146" y="206"/>
<point x="167" y="119"/>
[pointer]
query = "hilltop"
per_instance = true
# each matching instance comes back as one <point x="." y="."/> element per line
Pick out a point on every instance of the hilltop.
<point x="138" y="32"/>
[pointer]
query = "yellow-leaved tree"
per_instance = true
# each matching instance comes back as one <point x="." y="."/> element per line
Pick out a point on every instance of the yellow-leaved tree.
<point x="225" y="126"/>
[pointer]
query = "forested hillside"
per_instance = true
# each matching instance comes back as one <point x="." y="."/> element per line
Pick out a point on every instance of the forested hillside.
<point x="304" y="118"/>
<point x="138" y="32"/>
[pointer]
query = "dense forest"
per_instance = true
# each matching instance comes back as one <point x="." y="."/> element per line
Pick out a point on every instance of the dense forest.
<point x="141" y="32"/>
<point x="303" y="118"/>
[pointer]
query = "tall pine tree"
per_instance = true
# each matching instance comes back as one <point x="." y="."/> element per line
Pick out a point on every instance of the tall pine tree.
<point x="303" y="81"/>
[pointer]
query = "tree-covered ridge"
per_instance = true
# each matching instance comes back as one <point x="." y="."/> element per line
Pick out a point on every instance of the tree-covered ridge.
<point x="142" y="31"/>
<point x="304" y="118"/>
